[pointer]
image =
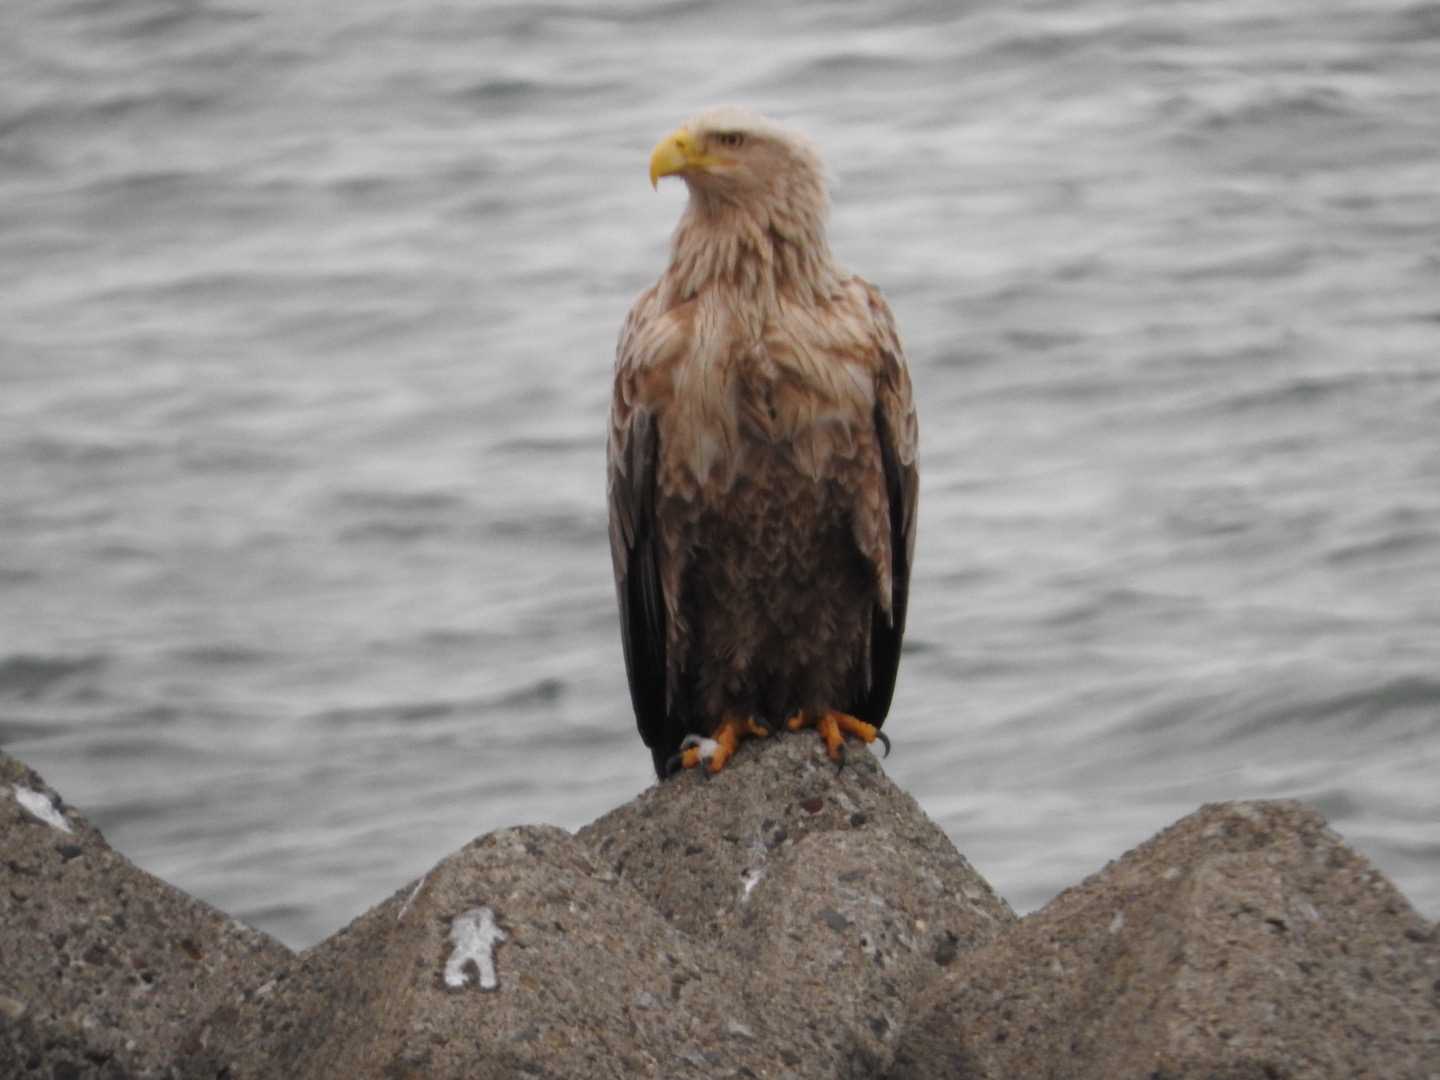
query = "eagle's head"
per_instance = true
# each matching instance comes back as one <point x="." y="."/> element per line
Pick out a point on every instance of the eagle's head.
<point x="733" y="152"/>
<point x="752" y="181"/>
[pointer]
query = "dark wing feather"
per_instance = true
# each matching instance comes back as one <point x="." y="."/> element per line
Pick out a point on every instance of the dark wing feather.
<point x="897" y="432"/>
<point x="634" y="453"/>
<point x="637" y="582"/>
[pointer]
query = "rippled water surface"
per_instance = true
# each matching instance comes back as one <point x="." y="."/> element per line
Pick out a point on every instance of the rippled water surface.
<point x="306" y="321"/>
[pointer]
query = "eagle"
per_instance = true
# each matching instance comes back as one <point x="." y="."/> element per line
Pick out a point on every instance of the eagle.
<point x="762" y="474"/>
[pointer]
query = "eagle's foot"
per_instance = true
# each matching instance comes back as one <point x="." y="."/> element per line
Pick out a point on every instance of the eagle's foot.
<point x="834" y="726"/>
<point x="715" y="751"/>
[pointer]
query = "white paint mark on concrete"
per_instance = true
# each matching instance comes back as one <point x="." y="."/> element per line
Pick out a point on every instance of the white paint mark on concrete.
<point x="475" y="934"/>
<point x="39" y="804"/>
<point x="740" y="1031"/>
<point x="411" y="898"/>
<point x="752" y="878"/>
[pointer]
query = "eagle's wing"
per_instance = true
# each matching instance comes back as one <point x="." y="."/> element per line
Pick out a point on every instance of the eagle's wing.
<point x="635" y="546"/>
<point x="898" y="435"/>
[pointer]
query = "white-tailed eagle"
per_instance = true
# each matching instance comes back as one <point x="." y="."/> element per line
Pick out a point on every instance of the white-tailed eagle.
<point x="762" y="462"/>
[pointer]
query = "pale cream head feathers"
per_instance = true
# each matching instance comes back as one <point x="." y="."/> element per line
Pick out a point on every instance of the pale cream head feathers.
<point x="757" y="195"/>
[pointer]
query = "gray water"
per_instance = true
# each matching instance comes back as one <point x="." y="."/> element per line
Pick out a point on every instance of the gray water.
<point x="307" y="314"/>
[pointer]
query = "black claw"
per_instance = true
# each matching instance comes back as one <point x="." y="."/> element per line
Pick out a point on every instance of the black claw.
<point x="672" y="765"/>
<point x="840" y="761"/>
<point x="885" y="739"/>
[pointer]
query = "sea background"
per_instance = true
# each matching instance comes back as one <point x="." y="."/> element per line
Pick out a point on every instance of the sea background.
<point x="307" y="316"/>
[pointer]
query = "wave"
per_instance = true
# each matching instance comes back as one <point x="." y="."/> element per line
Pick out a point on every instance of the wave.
<point x="106" y="108"/>
<point x="1234" y="717"/>
<point x="33" y="678"/>
<point x="1418" y="22"/>
<point x="1278" y="109"/>
<point x="1386" y="549"/>
<point x="541" y="692"/>
<point x="224" y="655"/>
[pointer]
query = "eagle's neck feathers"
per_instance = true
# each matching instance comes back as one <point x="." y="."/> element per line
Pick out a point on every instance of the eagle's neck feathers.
<point x="761" y="250"/>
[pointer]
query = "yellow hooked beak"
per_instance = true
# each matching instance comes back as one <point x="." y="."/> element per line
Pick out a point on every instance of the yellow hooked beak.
<point x="675" y="153"/>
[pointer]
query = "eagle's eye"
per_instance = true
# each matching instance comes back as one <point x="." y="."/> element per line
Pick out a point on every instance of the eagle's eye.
<point x="732" y="139"/>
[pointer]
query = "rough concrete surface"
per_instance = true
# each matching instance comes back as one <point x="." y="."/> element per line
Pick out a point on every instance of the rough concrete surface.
<point x="782" y="920"/>
<point x="771" y="922"/>
<point x="589" y="982"/>
<point x="1246" y="941"/>
<point x="103" y="968"/>
<point x="836" y="893"/>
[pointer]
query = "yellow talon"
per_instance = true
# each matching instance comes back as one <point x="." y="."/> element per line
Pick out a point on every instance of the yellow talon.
<point x="829" y="729"/>
<point x="716" y="751"/>
<point x="724" y="741"/>
<point x="834" y="726"/>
